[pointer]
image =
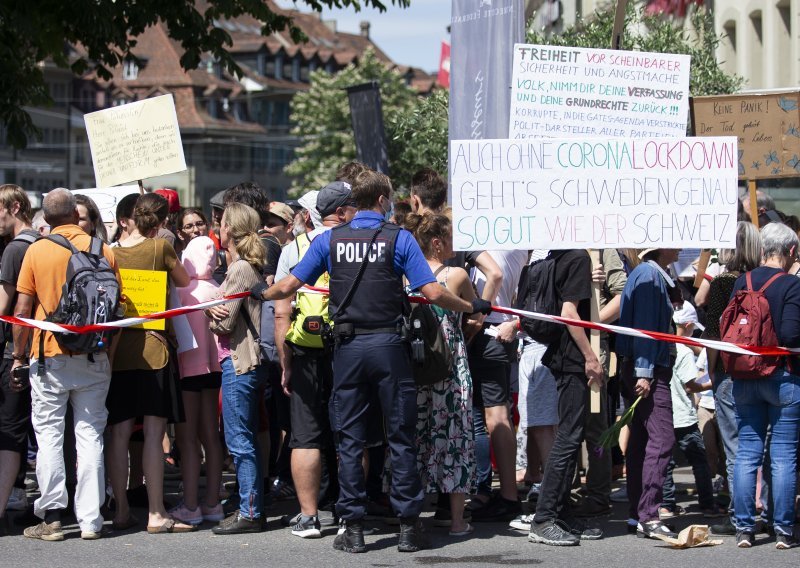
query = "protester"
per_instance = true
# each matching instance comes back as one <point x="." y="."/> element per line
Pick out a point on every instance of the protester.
<point x="201" y="377"/>
<point x="75" y="379"/>
<point x="124" y="218"/>
<point x="685" y="423"/>
<point x="646" y="370"/>
<point x="772" y="402"/>
<point x="190" y="223"/>
<point x="240" y="357"/>
<point x="402" y="210"/>
<point x="370" y="357"/>
<point x="15" y="395"/>
<point x="90" y="219"/>
<point x="39" y="224"/>
<point x="308" y="370"/>
<point x="445" y="442"/>
<point x="744" y="258"/>
<point x="144" y="382"/>
<point x="574" y="366"/>
<point x="279" y="222"/>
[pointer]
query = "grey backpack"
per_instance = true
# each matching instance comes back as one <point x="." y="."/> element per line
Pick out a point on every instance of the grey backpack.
<point x="89" y="296"/>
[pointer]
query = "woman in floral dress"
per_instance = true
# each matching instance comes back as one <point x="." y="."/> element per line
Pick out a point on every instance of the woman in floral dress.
<point x="446" y="455"/>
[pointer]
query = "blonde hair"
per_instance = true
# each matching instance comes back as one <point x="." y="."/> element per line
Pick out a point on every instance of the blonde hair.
<point x="243" y="223"/>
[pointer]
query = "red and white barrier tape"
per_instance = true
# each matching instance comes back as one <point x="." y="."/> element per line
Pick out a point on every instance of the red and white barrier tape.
<point x="654" y="335"/>
<point x="127" y="322"/>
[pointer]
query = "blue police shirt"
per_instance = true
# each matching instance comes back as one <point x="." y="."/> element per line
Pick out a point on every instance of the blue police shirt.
<point x="408" y="258"/>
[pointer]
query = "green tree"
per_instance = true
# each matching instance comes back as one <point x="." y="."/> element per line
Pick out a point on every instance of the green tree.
<point x="106" y="31"/>
<point x="321" y="117"/>
<point x="660" y="35"/>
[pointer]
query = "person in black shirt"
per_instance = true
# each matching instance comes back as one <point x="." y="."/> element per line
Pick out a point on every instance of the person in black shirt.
<point x="574" y="366"/>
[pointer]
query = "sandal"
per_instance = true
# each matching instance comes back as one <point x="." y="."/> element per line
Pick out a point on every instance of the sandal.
<point x="129" y="523"/>
<point x="467" y="530"/>
<point x="170" y="526"/>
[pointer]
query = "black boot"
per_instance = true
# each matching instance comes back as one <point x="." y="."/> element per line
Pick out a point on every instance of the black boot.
<point x="412" y="535"/>
<point x="352" y="539"/>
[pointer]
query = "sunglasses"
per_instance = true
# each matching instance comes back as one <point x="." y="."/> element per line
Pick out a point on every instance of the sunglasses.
<point x="190" y="226"/>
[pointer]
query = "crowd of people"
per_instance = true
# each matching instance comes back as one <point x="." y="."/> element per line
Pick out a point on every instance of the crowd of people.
<point x="308" y="385"/>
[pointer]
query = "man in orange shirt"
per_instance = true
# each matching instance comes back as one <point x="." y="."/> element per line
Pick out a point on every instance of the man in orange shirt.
<point x="77" y="378"/>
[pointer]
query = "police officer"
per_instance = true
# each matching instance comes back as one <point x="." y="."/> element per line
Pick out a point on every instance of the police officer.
<point x="367" y="259"/>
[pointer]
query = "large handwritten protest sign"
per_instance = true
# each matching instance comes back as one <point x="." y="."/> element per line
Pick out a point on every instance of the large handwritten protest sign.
<point x="562" y="92"/>
<point x="766" y="124"/>
<point x="146" y="291"/>
<point x="135" y="141"/>
<point x="593" y="193"/>
<point x="107" y="198"/>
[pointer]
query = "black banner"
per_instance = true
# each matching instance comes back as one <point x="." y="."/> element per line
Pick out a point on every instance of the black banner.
<point x="367" y="117"/>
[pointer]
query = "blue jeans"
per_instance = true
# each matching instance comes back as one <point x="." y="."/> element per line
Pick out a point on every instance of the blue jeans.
<point x="728" y="428"/>
<point x="240" y="417"/>
<point x="772" y="402"/>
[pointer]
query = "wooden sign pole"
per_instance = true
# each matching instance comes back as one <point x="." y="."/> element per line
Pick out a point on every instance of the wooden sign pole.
<point x="702" y="265"/>
<point x="752" y="190"/>
<point x="594" y="338"/>
<point x="141" y="187"/>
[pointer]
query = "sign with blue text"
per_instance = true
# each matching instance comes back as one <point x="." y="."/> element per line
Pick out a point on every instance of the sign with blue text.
<point x="559" y="92"/>
<point x="570" y="193"/>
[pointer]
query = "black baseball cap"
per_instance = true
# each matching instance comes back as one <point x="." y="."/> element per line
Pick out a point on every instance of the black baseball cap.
<point x="333" y="196"/>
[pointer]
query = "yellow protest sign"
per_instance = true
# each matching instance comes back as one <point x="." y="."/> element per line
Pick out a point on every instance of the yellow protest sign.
<point x="135" y="141"/>
<point x="147" y="294"/>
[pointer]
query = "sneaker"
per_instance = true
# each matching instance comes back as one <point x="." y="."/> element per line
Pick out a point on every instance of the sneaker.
<point x="307" y="527"/>
<point x="45" y="531"/>
<point x="212" y="514"/>
<point x="498" y="510"/>
<point x="744" y="539"/>
<point x="654" y="529"/>
<point x="522" y="523"/>
<point x="620" y="495"/>
<point x="444" y="518"/>
<point x="91" y="535"/>
<point x="533" y="492"/>
<point x="186" y="515"/>
<point x="785" y="541"/>
<point x="725" y="528"/>
<point x="412" y="536"/>
<point x="550" y="533"/>
<point x="350" y="537"/>
<point x="580" y="529"/>
<point x="327" y="518"/>
<point x="238" y="524"/>
<point x="18" y="500"/>
<point x="670" y="512"/>
<point x="290" y="520"/>
<point x="281" y="491"/>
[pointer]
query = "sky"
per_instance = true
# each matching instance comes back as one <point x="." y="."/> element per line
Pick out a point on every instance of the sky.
<point x="409" y="36"/>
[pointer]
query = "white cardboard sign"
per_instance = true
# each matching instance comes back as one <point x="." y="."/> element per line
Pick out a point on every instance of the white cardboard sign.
<point x="135" y="141"/>
<point x="560" y="92"/>
<point x="107" y="198"/>
<point x="594" y="193"/>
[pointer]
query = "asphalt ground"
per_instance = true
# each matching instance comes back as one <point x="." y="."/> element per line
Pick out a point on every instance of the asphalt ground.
<point x="491" y="544"/>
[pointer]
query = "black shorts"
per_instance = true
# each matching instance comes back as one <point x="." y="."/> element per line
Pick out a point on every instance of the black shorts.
<point x="490" y="366"/>
<point x="138" y="393"/>
<point x="15" y="413"/>
<point x="311" y="384"/>
<point x="197" y="383"/>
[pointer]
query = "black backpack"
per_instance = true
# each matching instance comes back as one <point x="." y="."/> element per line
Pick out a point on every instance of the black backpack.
<point x="536" y="292"/>
<point x="432" y="358"/>
<point x="90" y="295"/>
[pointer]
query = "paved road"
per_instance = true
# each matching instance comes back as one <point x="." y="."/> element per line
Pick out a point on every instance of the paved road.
<point x="490" y="545"/>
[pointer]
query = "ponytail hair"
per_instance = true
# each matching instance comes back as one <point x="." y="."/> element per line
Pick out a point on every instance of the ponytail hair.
<point x="427" y="227"/>
<point x="243" y="223"/>
<point x="149" y="212"/>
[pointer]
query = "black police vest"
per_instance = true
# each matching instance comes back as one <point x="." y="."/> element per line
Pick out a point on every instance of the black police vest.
<point x="379" y="298"/>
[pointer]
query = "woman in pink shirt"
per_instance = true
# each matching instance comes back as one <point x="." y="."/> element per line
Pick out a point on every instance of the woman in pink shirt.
<point x="200" y="383"/>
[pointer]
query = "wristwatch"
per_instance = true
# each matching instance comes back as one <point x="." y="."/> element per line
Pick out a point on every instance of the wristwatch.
<point x="19" y="356"/>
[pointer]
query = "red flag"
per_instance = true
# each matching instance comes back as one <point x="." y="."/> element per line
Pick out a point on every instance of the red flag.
<point x="443" y="78"/>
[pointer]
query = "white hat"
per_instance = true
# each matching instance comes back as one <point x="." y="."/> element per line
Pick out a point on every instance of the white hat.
<point x="309" y="202"/>
<point x="687" y="314"/>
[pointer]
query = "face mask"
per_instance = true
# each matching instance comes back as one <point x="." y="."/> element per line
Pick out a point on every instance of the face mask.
<point x="388" y="214"/>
